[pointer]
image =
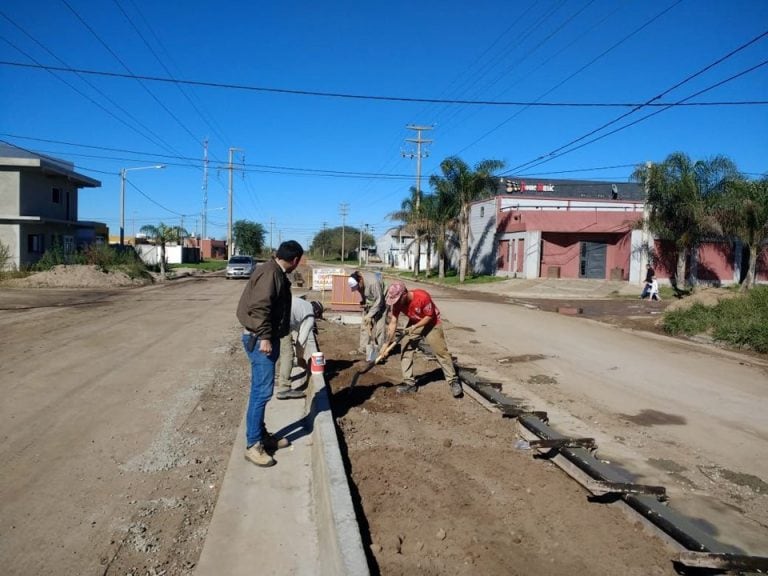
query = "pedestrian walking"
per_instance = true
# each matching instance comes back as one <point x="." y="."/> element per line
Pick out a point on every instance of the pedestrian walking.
<point x="299" y="343"/>
<point x="264" y="311"/>
<point x="373" y="326"/>
<point x="650" y="275"/>
<point x="423" y="322"/>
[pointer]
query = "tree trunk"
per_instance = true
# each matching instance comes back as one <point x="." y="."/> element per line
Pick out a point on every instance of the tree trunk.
<point x="162" y="259"/>
<point x="464" y="242"/>
<point x="441" y="254"/>
<point x="680" y="273"/>
<point x="429" y="256"/>
<point x="749" y="279"/>
<point x="417" y="261"/>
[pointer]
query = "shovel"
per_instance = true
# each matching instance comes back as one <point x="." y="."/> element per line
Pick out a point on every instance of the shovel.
<point x="370" y="363"/>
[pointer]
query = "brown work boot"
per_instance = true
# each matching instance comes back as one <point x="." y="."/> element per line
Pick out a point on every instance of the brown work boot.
<point x="272" y="443"/>
<point x="257" y="455"/>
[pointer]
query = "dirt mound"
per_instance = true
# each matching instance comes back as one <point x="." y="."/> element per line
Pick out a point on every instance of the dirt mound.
<point x="706" y="296"/>
<point x="77" y="276"/>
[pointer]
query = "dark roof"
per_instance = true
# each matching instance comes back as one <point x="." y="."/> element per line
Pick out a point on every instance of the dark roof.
<point x="553" y="188"/>
<point x="15" y="157"/>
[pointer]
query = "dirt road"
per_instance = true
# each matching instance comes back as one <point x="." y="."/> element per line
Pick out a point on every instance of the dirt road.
<point x="120" y="407"/>
<point x="686" y="416"/>
<point x="117" y="419"/>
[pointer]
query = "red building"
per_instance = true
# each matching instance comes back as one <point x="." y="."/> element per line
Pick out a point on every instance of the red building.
<point x="585" y="229"/>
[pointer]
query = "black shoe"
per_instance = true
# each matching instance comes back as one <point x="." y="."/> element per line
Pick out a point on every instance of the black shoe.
<point x="289" y="394"/>
<point x="407" y="388"/>
<point x="456" y="389"/>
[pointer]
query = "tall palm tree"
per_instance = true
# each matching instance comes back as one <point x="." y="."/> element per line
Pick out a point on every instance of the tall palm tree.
<point x="411" y="213"/>
<point x="741" y="210"/>
<point x="677" y="200"/>
<point x="162" y="234"/>
<point x="466" y="185"/>
<point x="442" y="211"/>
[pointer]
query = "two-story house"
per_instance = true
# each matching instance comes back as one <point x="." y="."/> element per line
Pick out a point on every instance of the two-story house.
<point x="38" y="206"/>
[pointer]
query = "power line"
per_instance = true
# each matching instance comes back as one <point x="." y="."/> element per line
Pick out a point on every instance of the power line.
<point x="664" y="93"/>
<point x="378" y="98"/>
<point x="552" y="156"/>
<point x="124" y="65"/>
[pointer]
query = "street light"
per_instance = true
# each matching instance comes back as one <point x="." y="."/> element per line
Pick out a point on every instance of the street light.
<point x="122" y="196"/>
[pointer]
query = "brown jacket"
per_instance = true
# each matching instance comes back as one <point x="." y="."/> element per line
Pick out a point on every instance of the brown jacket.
<point x="265" y="305"/>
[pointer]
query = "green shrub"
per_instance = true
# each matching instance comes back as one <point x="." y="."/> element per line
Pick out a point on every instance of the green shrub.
<point x="694" y="320"/>
<point x="740" y="321"/>
<point x="55" y="256"/>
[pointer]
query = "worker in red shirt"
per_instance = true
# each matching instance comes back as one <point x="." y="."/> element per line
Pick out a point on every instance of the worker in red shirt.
<point x="423" y="322"/>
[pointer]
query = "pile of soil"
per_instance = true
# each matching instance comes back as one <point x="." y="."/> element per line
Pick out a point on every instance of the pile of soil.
<point x="709" y="297"/>
<point x="440" y="488"/>
<point x="77" y="276"/>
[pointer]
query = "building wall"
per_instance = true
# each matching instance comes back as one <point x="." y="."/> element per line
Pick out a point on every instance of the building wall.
<point x="563" y="251"/>
<point x="9" y="193"/>
<point x="483" y="237"/>
<point x="9" y="238"/>
<point x="37" y="196"/>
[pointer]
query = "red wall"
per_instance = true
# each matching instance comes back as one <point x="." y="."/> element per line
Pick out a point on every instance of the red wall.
<point x="568" y="221"/>
<point x="564" y="250"/>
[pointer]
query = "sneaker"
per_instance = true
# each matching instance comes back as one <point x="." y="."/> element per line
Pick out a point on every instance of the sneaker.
<point x="407" y="388"/>
<point x="272" y="443"/>
<point x="289" y="393"/>
<point x="257" y="455"/>
<point x="456" y="389"/>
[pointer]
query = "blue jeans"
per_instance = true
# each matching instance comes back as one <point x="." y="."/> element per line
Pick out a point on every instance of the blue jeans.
<point x="262" y="384"/>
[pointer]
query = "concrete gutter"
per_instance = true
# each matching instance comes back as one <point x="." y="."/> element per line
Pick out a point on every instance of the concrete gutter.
<point x="340" y="543"/>
<point x="294" y="518"/>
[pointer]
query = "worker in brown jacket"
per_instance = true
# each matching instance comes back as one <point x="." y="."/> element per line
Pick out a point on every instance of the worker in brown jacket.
<point x="264" y="311"/>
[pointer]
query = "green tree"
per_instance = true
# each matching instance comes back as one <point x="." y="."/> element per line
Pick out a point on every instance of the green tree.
<point x="327" y="242"/>
<point x="678" y="189"/>
<point x="161" y="235"/>
<point x="248" y="237"/>
<point x="412" y="214"/>
<point x="741" y="209"/>
<point x="443" y="212"/>
<point x="466" y="185"/>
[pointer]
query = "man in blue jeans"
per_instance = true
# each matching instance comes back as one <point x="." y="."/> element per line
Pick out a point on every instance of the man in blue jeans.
<point x="264" y="311"/>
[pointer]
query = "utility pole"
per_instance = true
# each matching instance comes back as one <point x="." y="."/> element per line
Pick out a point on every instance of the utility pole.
<point x="324" y="239"/>
<point x="343" y="210"/>
<point x="271" y="225"/>
<point x="230" y="246"/>
<point x="360" y="248"/>
<point x="418" y="155"/>
<point x="204" y="230"/>
<point x="645" y="253"/>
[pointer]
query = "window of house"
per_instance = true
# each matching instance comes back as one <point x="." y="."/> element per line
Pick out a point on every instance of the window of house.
<point x="56" y="195"/>
<point x="482" y="211"/>
<point x="35" y="243"/>
<point x="68" y="242"/>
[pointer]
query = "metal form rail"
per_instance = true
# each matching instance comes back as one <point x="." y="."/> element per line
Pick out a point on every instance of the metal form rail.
<point x="576" y="456"/>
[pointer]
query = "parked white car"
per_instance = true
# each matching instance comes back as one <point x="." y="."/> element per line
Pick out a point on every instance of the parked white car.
<point x="240" y="267"/>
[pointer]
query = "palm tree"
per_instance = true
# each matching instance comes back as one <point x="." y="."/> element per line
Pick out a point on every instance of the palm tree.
<point x="466" y="186"/>
<point x="442" y="211"/>
<point x="411" y="213"/>
<point x="742" y="211"/>
<point x="162" y="234"/>
<point x="678" y="189"/>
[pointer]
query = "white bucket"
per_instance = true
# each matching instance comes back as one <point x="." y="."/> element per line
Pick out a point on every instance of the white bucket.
<point x="317" y="364"/>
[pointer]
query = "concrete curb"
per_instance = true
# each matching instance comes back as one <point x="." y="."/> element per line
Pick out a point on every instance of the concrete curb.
<point x="340" y="544"/>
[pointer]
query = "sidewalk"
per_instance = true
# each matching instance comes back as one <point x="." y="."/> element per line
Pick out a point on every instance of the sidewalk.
<point x="296" y="517"/>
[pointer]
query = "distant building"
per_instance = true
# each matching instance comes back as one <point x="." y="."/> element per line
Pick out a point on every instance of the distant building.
<point x="533" y="228"/>
<point x="39" y="205"/>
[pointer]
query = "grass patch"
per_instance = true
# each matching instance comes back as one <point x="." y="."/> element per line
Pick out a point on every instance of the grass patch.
<point x="741" y="321"/>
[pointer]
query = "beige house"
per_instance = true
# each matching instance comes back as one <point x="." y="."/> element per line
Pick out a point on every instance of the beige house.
<point x="38" y="206"/>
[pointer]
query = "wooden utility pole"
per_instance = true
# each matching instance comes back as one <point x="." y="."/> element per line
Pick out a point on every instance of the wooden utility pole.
<point x="418" y="155"/>
<point x="204" y="229"/>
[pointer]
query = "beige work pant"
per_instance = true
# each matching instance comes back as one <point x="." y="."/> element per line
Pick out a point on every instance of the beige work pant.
<point x="435" y="338"/>
<point x="287" y="353"/>
<point x="379" y="332"/>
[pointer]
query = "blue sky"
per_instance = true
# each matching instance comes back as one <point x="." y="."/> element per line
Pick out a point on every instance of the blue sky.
<point x="304" y="155"/>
